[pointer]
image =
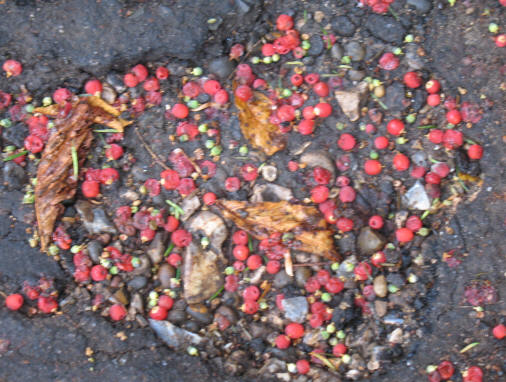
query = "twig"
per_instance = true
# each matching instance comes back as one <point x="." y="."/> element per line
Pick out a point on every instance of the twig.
<point x="155" y="157"/>
<point x="312" y="264"/>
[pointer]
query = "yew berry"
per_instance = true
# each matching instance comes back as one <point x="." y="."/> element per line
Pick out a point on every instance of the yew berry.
<point x="14" y="301"/>
<point x="282" y="342"/>
<point x="322" y="276"/>
<point x="347" y="194"/>
<point x="140" y="71"/>
<point x="180" y="111"/>
<point x="292" y="166"/>
<point x="61" y="95"/>
<point x="433" y="100"/>
<point x="346" y="142"/>
<point x="232" y="184"/>
<point x="473" y="374"/>
<point x="181" y="238"/>
<point x="321" y="89"/>
<point x="98" y="273"/>
<point x="312" y="78"/>
<point x="231" y="283"/>
<point x="302" y="366"/>
<point x="272" y="267"/>
<point x="251" y="293"/>
<point x="250" y="306"/>
<point x="334" y="285"/>
<point x="5" y="99"/>
<point x="445" y="369"/>
<point x="47" y="304"/>
<point x="294" y="330"/>
<point x="344" y="224"/>
<point x="378" y="258"/>
<point x="117" y="312"/>
<point x="412" y="80"/>
<point x="372" y="167"/>
<point x="395" y="127"/>
<point x="211" y="87"/>
<point x="130" y="80"/>
<point x="209" y="198"/>
<point x="147" y="234"/>
<point x="162" y="73"/>
<point x="323" y="110"/>
<point x="90" y="188"/>
<point x="381" y="142"/>
<point x="388" y="61"/>
<point x="436" y="136"/>
<point x="236" y="51"/>
<point x="186" y="187"/>
<point x="376" y="222"/>
<point x="499" y="331"/>
<point x="151" y="84"/>
<point x="296" y="79"/>
<point x="108" y="176"/>
<point x="191" y="89"/>
<point x="165" y="302"/>
<point x="316" y="320"/>
<point x="414" y="223"/>
<point x="401" y="162"/>
<point x="174" y="259"/>
<point x="284" y="22"/>
<point x="362" y="271"/>
<point x="93" y="87"/>
<point x="453" y="139"/>
<point x="114" y="152"/>
<point x="312" y="285"/>
<point x="158" y="313"/>
<point x="221" y="97"/>
<point x="308" y="112"/>
<point x="433" y="86"/>
<point x="152" y="186"/>
<point x="306" y="127"/>
<point x="404" y="235"/>
<point x="454" y="117"/>
<point x="170" y="179"/>
<point x="321" y="175"/>
<point x="241" y="252"/>
<point x="434" y="376"/>
<point x="432" y="178"/>
<point x="254" y="262"/>
<point x="441" y="169"/>
<point x="12" y="68"/>
<point x="286" y="113"/>
<point x="31" y="292"/>
<point x="34" y="144"/>
<point x="319" y="194"/>
<point x="500" y="40"/>
<point x="339" y="350"/>
<point x="475" y="152"/>
<point x="259" y="83"/>
<point x="268" y="50"/>
<point x="240" y="237"/>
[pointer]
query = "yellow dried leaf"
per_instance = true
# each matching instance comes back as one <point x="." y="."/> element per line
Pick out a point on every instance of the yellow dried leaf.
<point x="100" y="103"/>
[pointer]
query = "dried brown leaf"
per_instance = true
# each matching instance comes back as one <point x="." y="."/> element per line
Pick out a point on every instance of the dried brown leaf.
<point x="309" y="228"/>
<point x="255" y="126"/>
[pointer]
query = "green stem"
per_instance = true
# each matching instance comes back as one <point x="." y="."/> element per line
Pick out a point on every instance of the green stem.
<point x="383" y="106"/>
<point x="427" y="127"/>
<point x="168" y="250"/>
<point x="217" y="293"/>
<point x="75" y="161"/>
<point x="14" y="156"/>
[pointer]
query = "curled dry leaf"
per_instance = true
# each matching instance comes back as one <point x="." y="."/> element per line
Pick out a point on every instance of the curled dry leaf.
<point x="55" y="178"/>
<point x="255" y="126"/>
<point x="310" y="230"/>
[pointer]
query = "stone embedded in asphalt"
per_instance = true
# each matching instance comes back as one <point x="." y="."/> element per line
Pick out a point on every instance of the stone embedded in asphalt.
<point x="416" y="197"/>
<point x="174" y="336"/>
<point x="354" y="50"/>
<point x="380" y="286"/>
<point x="386" y="28"/>
<point x="189" y="206"/>
<point x="94" y="218"/>
<point x="270" y="192"/>
<point x="157" y="247"/>
<point x="422" y="6"/>
<point x="295" y="308"/>
<point x="203" y="267"/>
<point x="319" y="158"/>
<point x="221" y="66"/>
<point x="369" y="241"/>
<point x="350" y="100"/>
<point x="343" y="26"/>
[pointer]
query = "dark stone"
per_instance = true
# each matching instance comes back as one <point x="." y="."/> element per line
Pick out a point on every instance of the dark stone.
<point x="422" y="6"/>
<point x="394" y="97"/>
<point x="16" y="134"/>
<point x="14" y="176"/>
<point x="396" y="279"/>
<point x="222" y="67"/>
<point x="343" y="26"/>
<point x="385" y="28"/>
<point x="317" y="46"/>
<point x="138" y="282"/>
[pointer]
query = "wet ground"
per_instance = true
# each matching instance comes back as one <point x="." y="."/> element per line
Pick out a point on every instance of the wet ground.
<point x="62" y="43"/>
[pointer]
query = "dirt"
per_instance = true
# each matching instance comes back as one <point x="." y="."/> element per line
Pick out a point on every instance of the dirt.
<point x="62" y="43"/>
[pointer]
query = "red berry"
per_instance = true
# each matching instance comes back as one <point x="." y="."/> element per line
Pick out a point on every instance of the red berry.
<point x="312" y="285"/>
<point x="251" y="306"/>
<point x="90" y="188"/>
<point x="346" y="142"/>
<point x="211" y="87"/>
<point x="254" y="262"/>
<point x="475" y="152"/>
<point x="452" y="139"/>
<point x="181" y="238"/>
<point x="344" y="224"/>
<point x="251" y="293"/>
<point x="454" y="117"/>
<point x="404" y="235"/>
<point x="316" y="320"/>
<point x="306" y="127"/>
<point x="165" y="302"/>
<point x="284" y="22"/>
<point x="417" y="172"/>
<point x="434" y="376"/>
<point x="186" y="187"/>
<point x="147" y="234"/>
<point x="12" y="68"/>
<point x="180" y="111"/>
<point x="334" y="285"/>
<point x="5" y="99"/>
<point x="323" y="110"/>
<point x="401" y="162"/>
<point x="412" y="80"/>
<point x="130" y="80"/>
<point x="170" y="179"/>
<point x="240" y="252"/>
<point x="339" y="350"/>
<point x="158" y="313"/>
<point x="433" y="86"/>
<point x="151" y="84"/>
<point x="395" y="127"/>
<point x="268" y="49"/>
<point x="414" y="223"/>
<point x="14" y="301"/>
<point x="236" y="51"/>
<point x="61" y="95"/>
<point x="445" y="369"/>
<point x="174" y="259"/>
<point x="321" y="89"/>
<point x="282" y="342"/>
<point x="322" y="276"/>
<point x="286" y="113"/>
<point x="321" y="175"/>
<point x="108" y="176"/>
<point x="378" y="258"/>
<point x="436" y="136"/>
<point x="140" y="71"/>
<point x="347" y="194"/>
<point x="500" y="40"/>
<point x="93" y="87"/>
<point x="221" y="97"/>
<point x="308" y="112"/>
<point x="296" y="79"/>
<point x="362" y="271"/>
<point x="294" y="330"/>
<point x="312" y="78"/>
<point x="376" y="222"/>
<point x="47" y="304"/>
<point x="98" y="273"/>
<point x="499" y="331"/>
<point x="372" y="167"/>
<point x="433" y="100"/>
<point x="473" y="374"/>
<point x="272" y="267"/>
<point x="432" y="178"/>
<point x="441" y="169"/>
<point x="209" y="198"/>
<point x="240" y="237"/>
<point x="117" y="312"/>
<point x="34" y="144"/>
<point x="319" y="194"/>
<point x="114" y="152"/>
<point x="162" y="73"/>
<point x="152" y="186"/>
<point x="302" y="366"/>
<point x="388" y="61"/>
<point x="381" y="142"/>
<point x="232" y="184"/>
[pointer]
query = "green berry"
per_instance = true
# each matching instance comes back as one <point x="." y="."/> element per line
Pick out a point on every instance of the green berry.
<point x="373" y="155"/>
<point x="275" y="57"/>
<point x="114" y="270"/>
<point x="229" y="270"/>
<point x="305" y="45"/>
<point x="335" y="266"/>
<point x="493" y="28"/>
<point x="409" y="38"/>
<point x="326" y="297"/>
<point x="197" y="71"/>
<point x="286" y="93"/>
<point x="6" y="122"/>
<point x="183" y="138"/>
<point x="209" y="144"/>
<point x="29" y="108"/>
<point x="411" y="118"/>
<point x="392" y="288"/>
<point x="203" y="127"/>
<point x="255" y="60"/>
<point x="216" y="150"/>
<point x="267" y="60"/>
<point x="341" y="335"/>
<point x="243" y="150"/>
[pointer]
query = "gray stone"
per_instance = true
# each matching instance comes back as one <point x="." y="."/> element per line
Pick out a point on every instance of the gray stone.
<point x="94" y="218"/>
<point x="369" y="241"/>
<point x="380" y="307"/>
<point x="227" y="312"/>
<point x="419" y="158"/>
<point x="317" y="45"/>
<point x="380" y="286"/>
<point x="301" y="276"/>
<point x="189" y="206"/>
<point x="414" y="61"/>
<point x="385" y="28"/>
<point x="350" y="100"/>
<point x="108" y="93"/>
<point x="355" y="51"/>
<point x="165" y="273"/>
<point x="116" y="82"/>
<point x="138" y="282"/>
<point x="347" y="243"/>
<point x="422" y="6"/>
<point x="295" y="308"/>
<point x="174" y="336"/>
<point x="416" y="197"/>
<point x="95" y="250"/>
<point x="394" y="97"/>
<point x="14" y="176"/>
<point x="318" y="158"/>
<point x="396" y="336"/>
<point x="200" y="313"/>
<point x="281" y="279"/>
<point x="221" y="66"/>
<point x="343" y="26"/>
<point x="270" y="193"/>
<point x="356" y="75"/>
<point x="157" y="247"/>
<point x="336" y="51"/>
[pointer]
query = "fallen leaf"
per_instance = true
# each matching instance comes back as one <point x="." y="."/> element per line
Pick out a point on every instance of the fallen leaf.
<point x="310" y="230"/>
<point x="255" y="126"/>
